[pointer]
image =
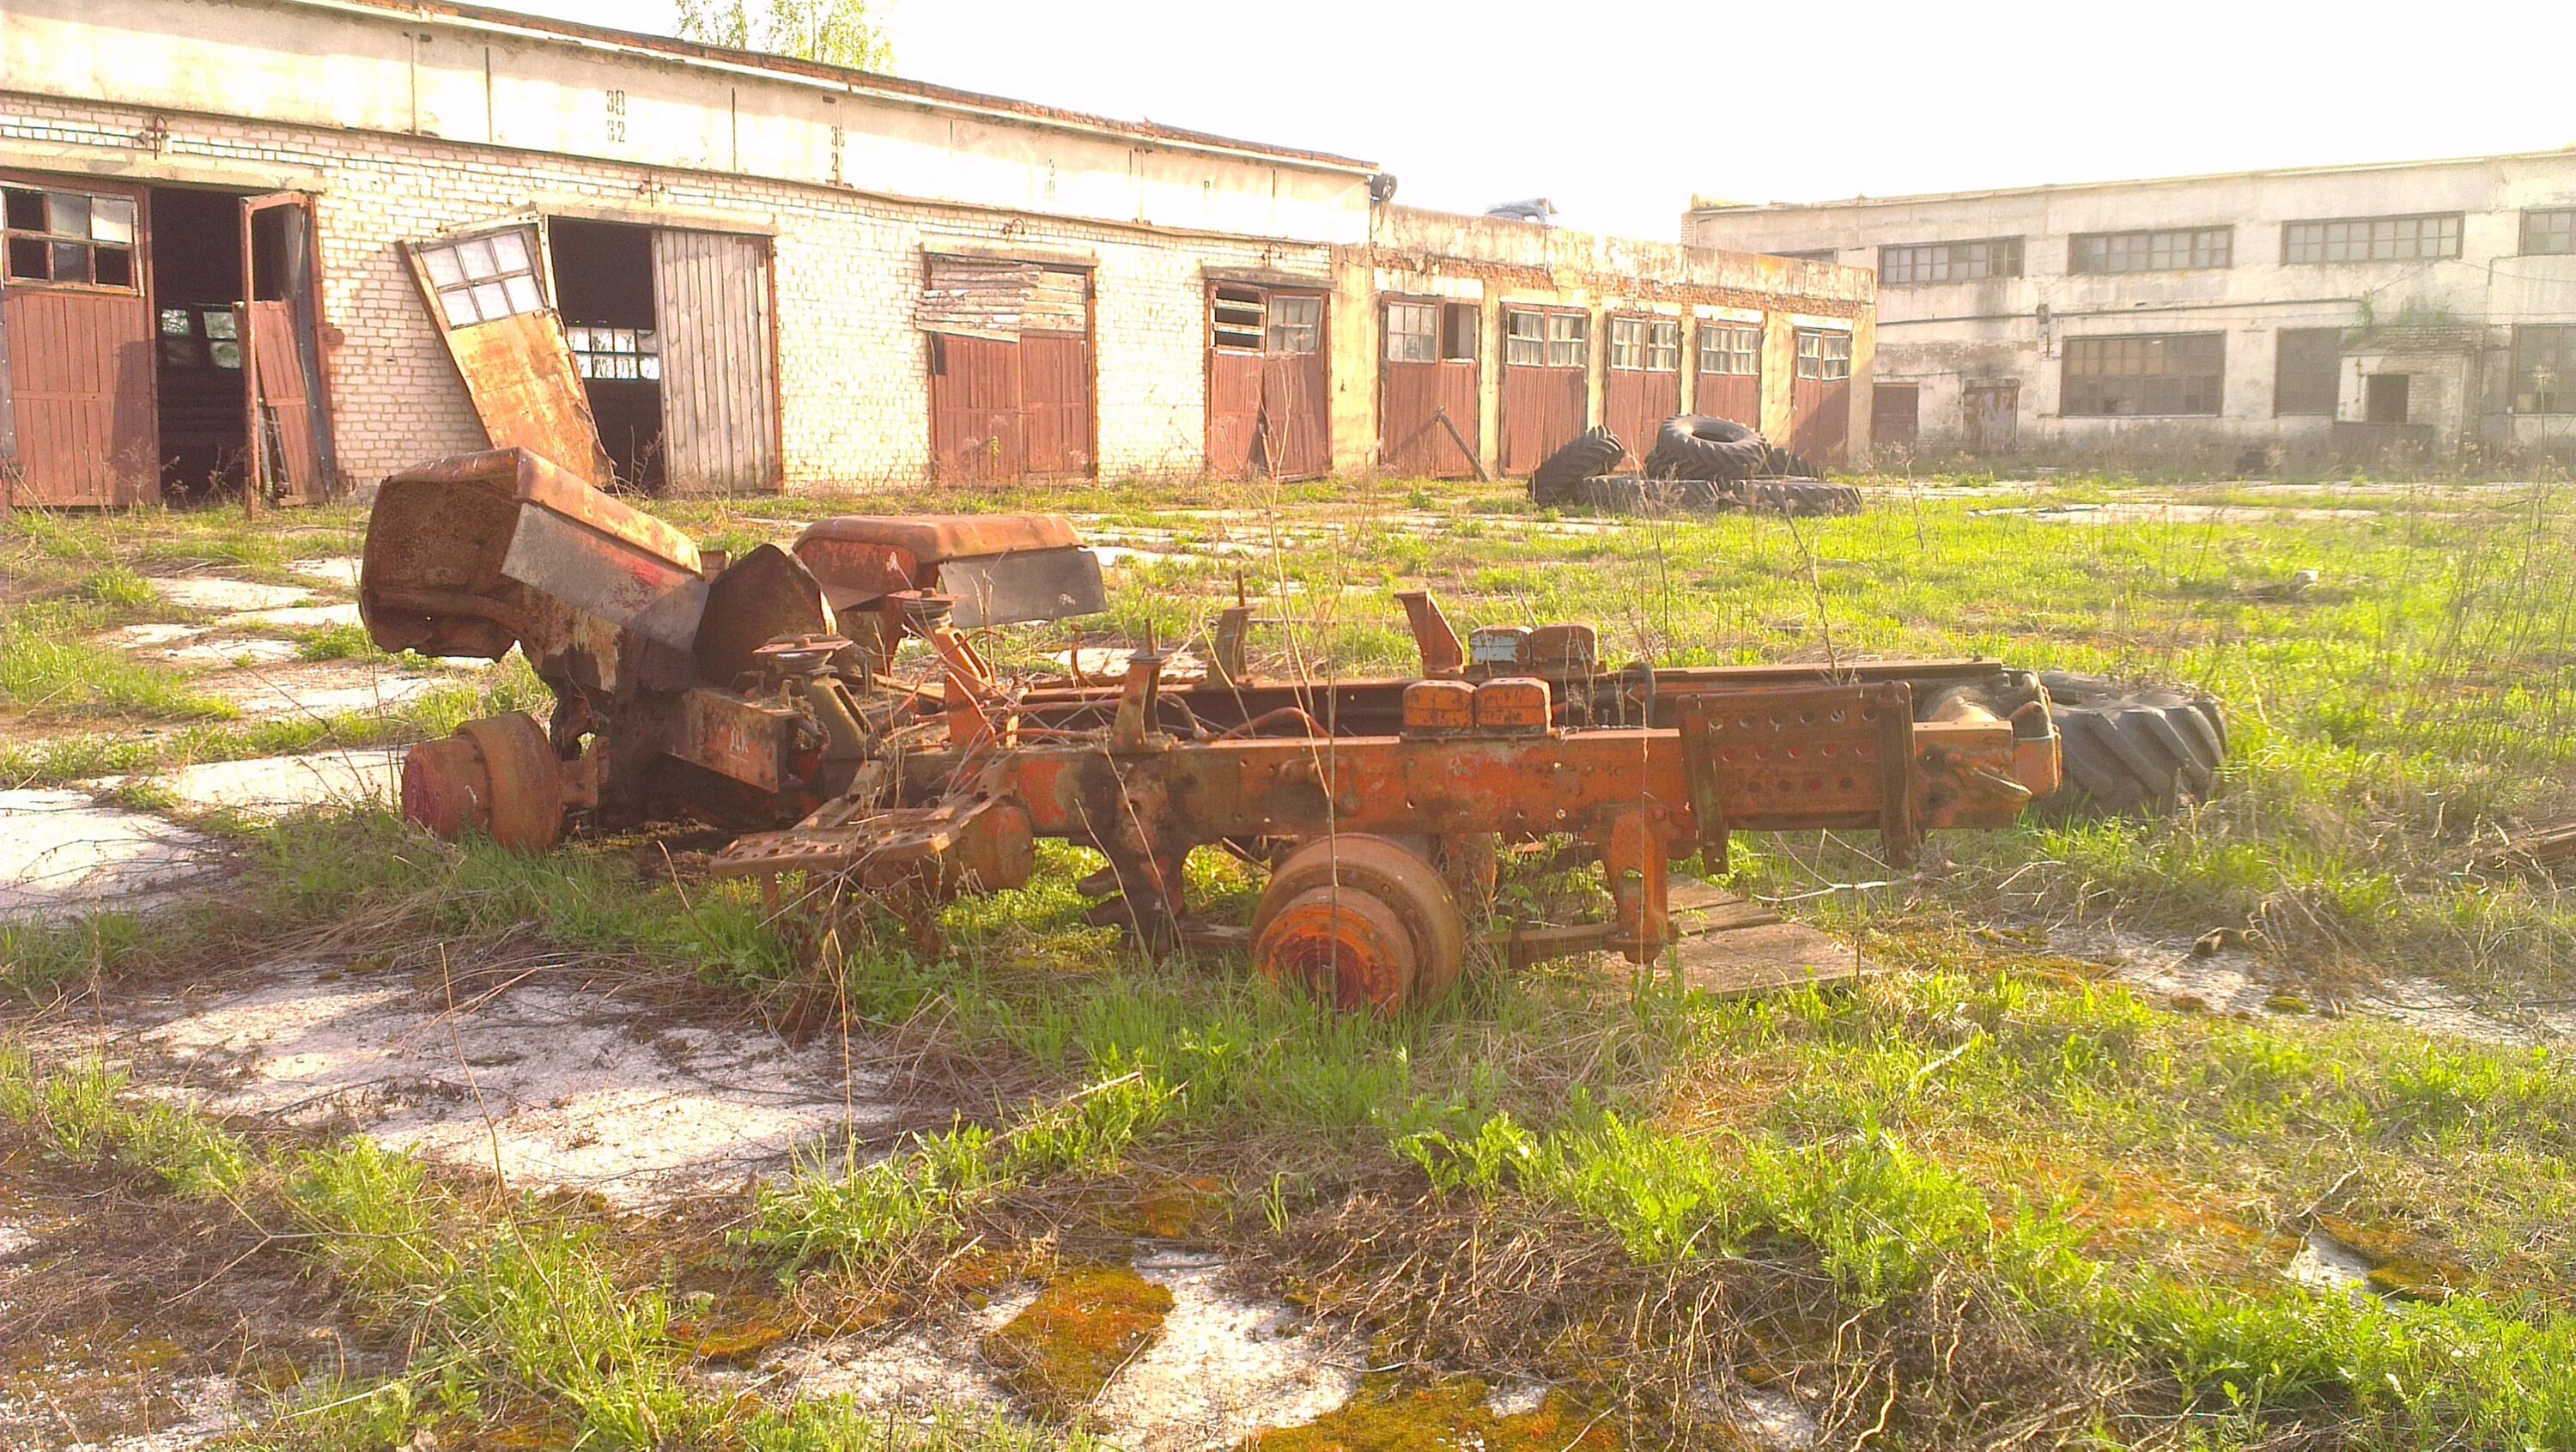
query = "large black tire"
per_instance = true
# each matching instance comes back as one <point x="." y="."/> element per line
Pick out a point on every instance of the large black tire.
<point x="1556" y="481"/>
<point x="1630" y="494"/>
<point x="2131" y="748"/>
<point x="1692" y="447"/>
<point x="1803" y="498"/>
<point x="1785" y="465"/>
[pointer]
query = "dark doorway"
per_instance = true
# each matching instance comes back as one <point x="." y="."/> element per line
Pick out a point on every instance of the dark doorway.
<point x="603" y="275"/>
<point x="1895" y="417"/>
<point x="2387" y="397"/>
<point x="196" y="293"/>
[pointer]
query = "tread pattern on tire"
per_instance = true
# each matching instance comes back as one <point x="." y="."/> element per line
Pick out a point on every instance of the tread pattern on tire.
<point x="2130" y="748"/>
<point x="1559" y="479"/>
<point x="1690" y="446"/>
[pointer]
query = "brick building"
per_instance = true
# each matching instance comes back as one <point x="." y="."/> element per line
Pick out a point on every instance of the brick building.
<point x="320" y="240"/>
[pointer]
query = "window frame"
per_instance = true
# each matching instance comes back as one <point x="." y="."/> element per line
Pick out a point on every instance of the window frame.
<point x="1627" y="336"/>
<point x="531" y="267"/>
<point x="2565" y="231"/>
<point x="2334" y="383"/>
<point x="1427" y="337"/>
<point x="1731" y="333"/>
<point x="645" y="350"/>
<point x="2291" y="244"/>
<point x="1251" y="299"/>
<point x="1822" y="358"/>
<point x="2214" y="342"/>
<point x="1283" y="327"/>
<point x="2559" y="399"/>
<point x="1452" y="312"/>
<point x="1664" y="340"/>
<point x="50" y="240"/>
<point x="1959" y="261"/>
<point x="2191" y="242"/>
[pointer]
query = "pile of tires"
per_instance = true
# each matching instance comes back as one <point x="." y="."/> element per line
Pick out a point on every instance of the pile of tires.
<point x="1698" y="465"/>
<point x="2129" y="749"/>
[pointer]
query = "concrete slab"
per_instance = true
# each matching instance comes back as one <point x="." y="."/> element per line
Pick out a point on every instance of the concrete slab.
<point x="217" y="651"/>
<point x="151" y="635"/>
<point x="61" y="854"/>
<point x="276" y="785"/>
<point x="319" y="688"/>
<point x="291" y="617"/>
<point x="1223" y="1367"/>
<point x="338" y="571"/>
<point x="1758" y="959"/>
<point x="214" y="592"/>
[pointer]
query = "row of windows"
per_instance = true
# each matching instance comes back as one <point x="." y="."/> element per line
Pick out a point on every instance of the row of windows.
<point x="2184" y="373"/>
<point x="1534" y="339"/>
<point x="2429" y="237"/>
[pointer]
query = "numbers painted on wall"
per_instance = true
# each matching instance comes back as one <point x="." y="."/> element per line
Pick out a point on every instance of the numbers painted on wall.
<point x="616" y="102"/>
<point x="836" y="153"/>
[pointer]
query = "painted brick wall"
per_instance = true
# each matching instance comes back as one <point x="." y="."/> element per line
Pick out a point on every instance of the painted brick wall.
<point x="855" y="409"/>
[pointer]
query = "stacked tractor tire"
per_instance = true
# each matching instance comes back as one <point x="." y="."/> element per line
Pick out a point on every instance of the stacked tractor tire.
<point x="1699" y="465"/>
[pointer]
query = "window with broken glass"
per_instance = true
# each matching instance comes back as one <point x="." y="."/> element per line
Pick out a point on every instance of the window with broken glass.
<point x="1525" y="339"/>
<point x="74" y="239"/>
<point x="621" y="353"/>
<point x="1296" y="324"/>
<point x="479" y="279"/>
<point x="200" y="338"/>
<point x="2549" y="232"/>
<point x="1824" y="356"/>
<point x="1730" y="348"/>
<point x="1628" y="344"/>
<point x="1664" y="346"/>
<point x="1412" y="333"/>
<point x="1569" y="340"/>
<point x="2153" y="251"/>
<point x="2544" y="369"/>
<point x="1950" y="261"/>
<point x="1237" y="318"/>
<point x="2167" y="374"/>
<point x="2372" y="239"/>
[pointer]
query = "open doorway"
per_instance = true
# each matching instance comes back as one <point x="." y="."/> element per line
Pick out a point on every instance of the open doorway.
<point x="200" y="381"/>
<point x="603" y="274"/>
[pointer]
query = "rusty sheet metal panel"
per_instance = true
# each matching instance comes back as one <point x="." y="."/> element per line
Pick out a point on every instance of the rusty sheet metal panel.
<point x="1000" y="298"/>
<point x="80" y="386"/>
<point x="1234" y="414"/>
<point x="1894" y="414"/>
<point x="286" y="391"/>
<point x="486" y="289"/>
<point x="1733" y="396"/>
<point x="974" y="409"/>
<point x="1296" y="423"/>
<point x="1727" y="382"/>
<point x="1993" y="412"/>
<point x="1055" y="402"/>
<point x="1636" y="394"/>
<point x="1412" y="440"/>
<point x="1820" y="395"/>
<point x="712" y="305"/>
<point x="746" y="740"/>
<point x="1543" y="410"/>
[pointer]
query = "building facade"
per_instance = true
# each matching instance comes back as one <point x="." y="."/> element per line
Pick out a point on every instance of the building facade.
<point x="2417" y="309"/>
<point x="311" y="242"/>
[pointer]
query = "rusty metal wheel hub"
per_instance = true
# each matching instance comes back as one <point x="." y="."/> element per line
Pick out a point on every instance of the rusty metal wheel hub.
<point x="1362" y="922"/>
<point x="497" y="775"/>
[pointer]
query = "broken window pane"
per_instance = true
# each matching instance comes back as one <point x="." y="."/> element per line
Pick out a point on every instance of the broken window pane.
<point x="2143" y="375"/>
<point x="226" y="354"/>
<point x="1412" y="333"/>
<point x="1569" y="340"/>
<point x="219" y="323"/>
<point x="578" y="338"/>
<point x="71" y="262"/>
<point x="174" y="323"/>
<point x="1296" y="324"/>
<point x="1525" y="338"/>
<point x="1237" y="318"/>
<point x="651" y="367"/>
<point x="25" y="211"/>
<point x="510" y="251"/>
<point x="111" y="219"/>
<point x="1664" y="348"/>
<point x="2544" y="369"/>
<point x="1460" y="323"/>
<point x="113" y="267"/>
<point x="1628" y="344"/>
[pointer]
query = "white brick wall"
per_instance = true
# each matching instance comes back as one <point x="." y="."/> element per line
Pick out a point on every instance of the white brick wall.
<point x="855" y="409"/>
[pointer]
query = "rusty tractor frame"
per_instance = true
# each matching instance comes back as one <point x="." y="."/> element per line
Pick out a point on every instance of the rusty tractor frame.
<point x="761" y="695"/>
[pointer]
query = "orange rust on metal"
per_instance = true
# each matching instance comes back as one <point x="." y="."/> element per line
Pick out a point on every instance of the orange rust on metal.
<point x="1512" y="703"/>
<point x="1442" y="655"/>
<point x="1361" y="921"/>
<point x="519" y="374"/>
<point x="496" y="775"/>
<point x="1437" y="706"/>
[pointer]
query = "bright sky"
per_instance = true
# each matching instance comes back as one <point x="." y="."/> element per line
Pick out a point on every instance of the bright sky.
<point x="1619" y="110"/>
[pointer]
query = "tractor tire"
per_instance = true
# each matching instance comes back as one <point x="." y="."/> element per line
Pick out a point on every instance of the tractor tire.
<point x="1797" y="498"/>
<point x="1785" y="465"/>
<point x="2131" y="749"/>
<point x="1557" y="481"/>
<point x="1628" y="494"/>
<point x="1689" y="446"/>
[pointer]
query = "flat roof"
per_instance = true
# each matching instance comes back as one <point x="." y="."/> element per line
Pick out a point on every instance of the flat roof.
<point x="1700" y="204"/>
<point x="691" y="52"/>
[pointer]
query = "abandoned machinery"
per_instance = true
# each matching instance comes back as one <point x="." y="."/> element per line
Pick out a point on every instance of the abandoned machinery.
<point x="759" y="695"/>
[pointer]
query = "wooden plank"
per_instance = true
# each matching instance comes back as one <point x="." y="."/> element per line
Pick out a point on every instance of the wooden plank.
<point x="1765" y="959"/>
<point x="719" y="406"/>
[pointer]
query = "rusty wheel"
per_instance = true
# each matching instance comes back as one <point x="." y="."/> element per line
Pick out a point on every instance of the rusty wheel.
<point x="1361" y="921"/>
<point x="497" y="775"/>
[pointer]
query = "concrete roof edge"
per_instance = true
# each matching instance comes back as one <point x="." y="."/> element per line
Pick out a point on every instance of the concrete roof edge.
<point x="1708" y="206"/>
<point x="896" y="88"/>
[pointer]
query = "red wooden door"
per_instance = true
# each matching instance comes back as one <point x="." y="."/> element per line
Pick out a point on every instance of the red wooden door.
<point x="1729" y="380"/>
<point x="1268" y="409"/>
<point x="974" y="409"/>
<point x="1820" y="396"/>
<point x="1427" y="407"/>
<point x="1643" y="386"/>
<point x="1055" y="403"/>
<point x="80" y="360"/>
<point x="286" y="395"/>
<point x="1547" y="364"/>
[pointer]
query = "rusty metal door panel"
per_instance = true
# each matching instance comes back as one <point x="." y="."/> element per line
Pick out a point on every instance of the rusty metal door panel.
<point x="80" y="394"/>
<point x="975" y="392"/>
<point x="1234" y="413"/>
<point x="1055" y="401"/>
<point x="1820" y="418"/>
<point x="486" y="290"/>
<point x="1543" y="410"/>
<point x="1894" y="415"/>
<point x="1412" y="439"/>
<point x="287" y="393"/>
<point x="1992" y="411"/>
<point x="1735" y="396"/>
<point x="712" y="306"/>
<point x="1624" y="409"/>
<point x="1296" y="427"/>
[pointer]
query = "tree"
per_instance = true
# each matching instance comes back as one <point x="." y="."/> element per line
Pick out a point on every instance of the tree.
<point x="835" y="32"/>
